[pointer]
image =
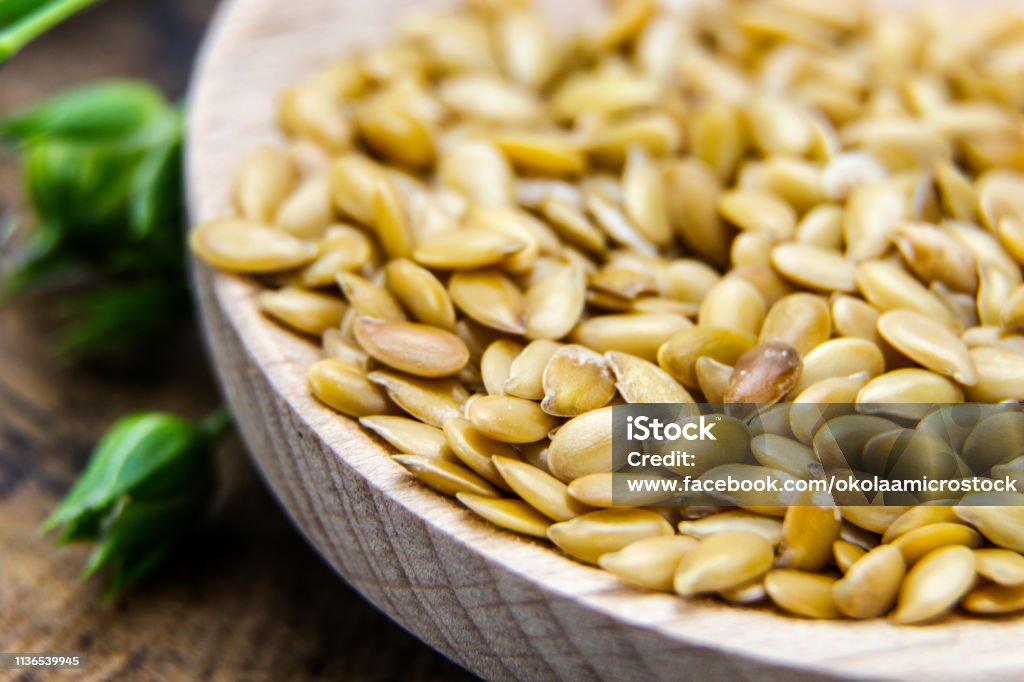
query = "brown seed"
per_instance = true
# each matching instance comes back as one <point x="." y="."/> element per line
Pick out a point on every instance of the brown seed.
<point x="1000" y="375"/>
<point x="907" y="387"/>
<point x="730" y="521"/>
<point x="602" y="490"/>
<point x="1000" y="566"/>
<point x="871" y="584"/>
<point x="723" y="561"/>
<point x="758" y="211"/>
<point x="644" y="199"/>
<point x="751" y="249"/>
<point x="421" y="293"/>
<point x="801" y="593"/>
<point x="734" y="304"/>
<point x="475" y="450"/>
<point x="465" y="249"/>
<point x="872" y="212"/>
<point x="608" y="92"/>
<point x="712" y="378"/>
<point x="336" y="345"/>
<point x="764" y="374"/>
<point x="307" y="210"/>
<point x="489" y="99"/>
<point x="264" y="179"/>
<point x="576" y="380"/>
<point x="719" y="138"/>
<point x="935" y="584"/>
<point x="393" y="224"/>
<point x="855" y="318"/>
<point x="392" y="128"/>
<point x="509" y="419"/>
<point x="807" y="537"/>
<point x="692" y="198"/>
<point x="872" y="518"/>
<point x="640" y="381"/>
<point x="799" y="320"/>
<point x="445" y="477"/>
<point x="658" y="134"/>
<point x="433" y="401"/>
<point x="315" y="112"/>
<point x="678" y="356"/>
<point x="1002" y="525"/>
<point x="572" y="224"/>
<point x="496" y="364"/>
<point x="368" y="299"/>
<point x="354" y="183"/>
<point x="410" y="436"/>
<point x="528" y="49"/>
<point x="814" y="267"/>
<point x="414" y="348"/>
<point x="554" y="304"/>
<point x="921" y="541"/>
<point x="308" y="312"/>
<point x="489" y="298"/>
<point x="745" y="594"/>
<point x="822" y="227"/>
<point x="592" y="535"/>
<point x="994" y="599"/>
<point x="889" y="287"/>
<point x="995" y="439"/>
<point x="526" y="373"/>
<point x="929" y="343"/>
<point x="513" y="515"/>
<point x="478" y="170"/>
<point x="934" y="255"/>
<point x="539" y="489"/>
<point x="342" y="249"/>
<point x="243" y="246"/>
<point x="918" y="517"/>
<point x="779" y="126"/>
<point x="840" y="358"/>
<point x="639" y="334"/>
<point x="543" y="153"/>
<point x="582" y="446"/>
<point x="346" y="389"/>
<point x="1012" y="314"/>
<point x="1011" y="233"/>
<point x="846" y="554"/>
<point x="649" y="563"/>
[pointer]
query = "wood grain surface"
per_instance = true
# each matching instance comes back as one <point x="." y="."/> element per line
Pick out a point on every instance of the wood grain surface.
<point x="246" y="599"/>
<point x="505" y="607"/>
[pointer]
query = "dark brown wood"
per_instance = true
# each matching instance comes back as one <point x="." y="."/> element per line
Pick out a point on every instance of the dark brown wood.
<point x="246" y="598"/>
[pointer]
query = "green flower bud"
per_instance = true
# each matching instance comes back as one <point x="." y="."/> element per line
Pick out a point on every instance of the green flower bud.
<point x="147" y="484"/>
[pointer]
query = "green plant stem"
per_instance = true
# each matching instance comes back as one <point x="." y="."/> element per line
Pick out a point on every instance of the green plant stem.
<point x="216" y="424"/>
<point x="29" y="27"/>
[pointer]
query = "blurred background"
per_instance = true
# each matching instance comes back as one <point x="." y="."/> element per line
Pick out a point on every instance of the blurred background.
<point x="245" y="598"/>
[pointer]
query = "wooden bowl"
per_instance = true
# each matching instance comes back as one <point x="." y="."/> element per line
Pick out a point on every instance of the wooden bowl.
<point x="503" y="607"/>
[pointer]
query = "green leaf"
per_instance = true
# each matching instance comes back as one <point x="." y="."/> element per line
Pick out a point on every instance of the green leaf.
<point x="15" y="9"/>
<point x="23" y="23"/>
<point x="113" y="204"/>
<point x="144" y="454"/>
<point x="118" y="318"/>
<point x="89" y="113"/>
<point x="157" y="199"/>
<point x="146" y="487"/>
<point x="134" y="526"/>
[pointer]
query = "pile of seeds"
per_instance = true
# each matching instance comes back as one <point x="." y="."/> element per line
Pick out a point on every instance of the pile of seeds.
<point x="499" y="233"/>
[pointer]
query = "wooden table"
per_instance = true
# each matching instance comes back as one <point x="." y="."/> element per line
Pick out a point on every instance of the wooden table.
<point x="246" y="598"/>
